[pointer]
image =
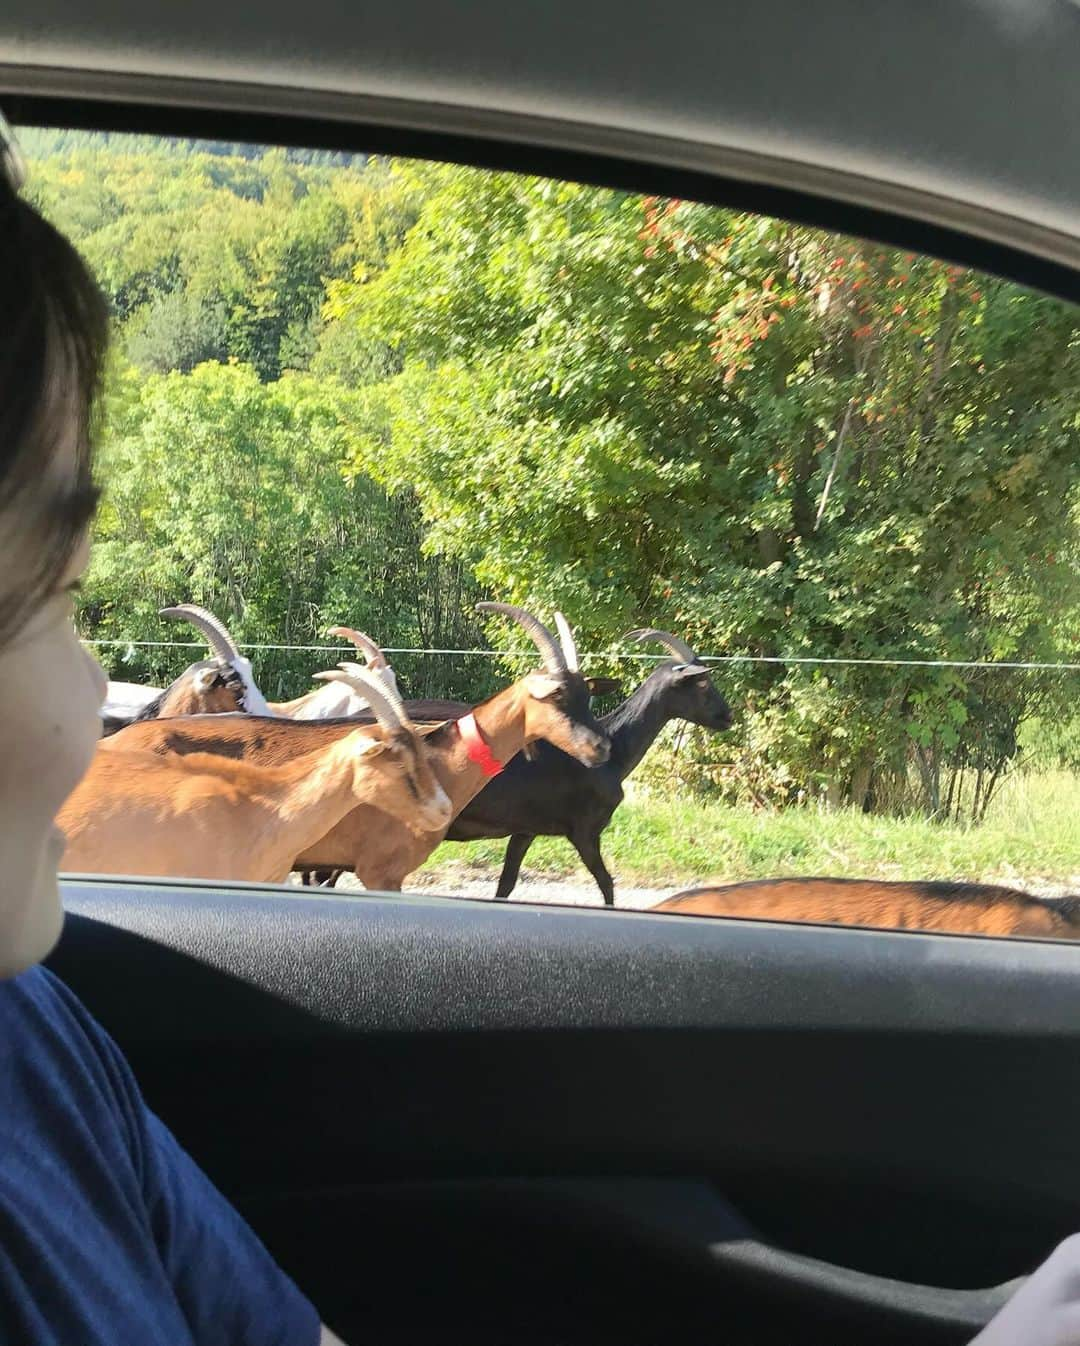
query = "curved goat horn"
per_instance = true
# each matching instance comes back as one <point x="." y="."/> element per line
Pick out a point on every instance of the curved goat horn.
<point x="371" y="652"/>
<point x="566" y="639"/>
<point x="545" y="642"/>
<point x="349" y="665"/>
<point x="384" y="676"/>
<point x="388" y="708"/>
<point x="379" y="671"/>
<point x="212" y="628"/>
<point x="679" y="648"/>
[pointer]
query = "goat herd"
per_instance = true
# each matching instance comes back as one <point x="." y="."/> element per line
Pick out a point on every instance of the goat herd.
<point x="206" y="779"/>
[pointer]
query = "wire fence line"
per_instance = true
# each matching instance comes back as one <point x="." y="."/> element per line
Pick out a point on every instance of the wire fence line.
<point x="613" y="654"/>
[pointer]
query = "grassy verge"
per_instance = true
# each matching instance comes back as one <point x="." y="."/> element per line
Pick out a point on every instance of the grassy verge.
<point x="1031" y="835"/>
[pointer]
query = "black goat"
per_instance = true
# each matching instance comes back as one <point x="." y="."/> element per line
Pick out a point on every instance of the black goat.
<point x="554" y="796"/>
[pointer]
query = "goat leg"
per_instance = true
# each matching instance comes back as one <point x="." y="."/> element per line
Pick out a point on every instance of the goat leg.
<point x="320" y="878"/>
<point x="516" y="847"/>
<point x="588" y="847"/>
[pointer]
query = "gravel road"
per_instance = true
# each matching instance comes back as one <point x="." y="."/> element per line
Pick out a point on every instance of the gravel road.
<point x="553" y="891"/>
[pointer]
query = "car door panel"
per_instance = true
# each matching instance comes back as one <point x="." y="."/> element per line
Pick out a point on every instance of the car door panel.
<point x="860" y="1130"/>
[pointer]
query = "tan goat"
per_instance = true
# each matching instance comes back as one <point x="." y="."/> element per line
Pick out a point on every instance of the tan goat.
<point x="551" y="704"/>
<point x="205" y="816"/>
<point x="957" y="908"/>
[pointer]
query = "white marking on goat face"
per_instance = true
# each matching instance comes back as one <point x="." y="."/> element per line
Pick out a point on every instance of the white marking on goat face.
<point x="434" y="810"/>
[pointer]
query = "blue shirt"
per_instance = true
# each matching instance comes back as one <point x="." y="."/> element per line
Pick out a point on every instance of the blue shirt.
<point x="109" y="1234"/>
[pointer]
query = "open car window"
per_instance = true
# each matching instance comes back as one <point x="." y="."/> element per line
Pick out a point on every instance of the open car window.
<point x="831" y="485"/>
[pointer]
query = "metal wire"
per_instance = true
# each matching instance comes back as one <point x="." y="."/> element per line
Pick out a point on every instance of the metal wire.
<point x="617" y="654"/>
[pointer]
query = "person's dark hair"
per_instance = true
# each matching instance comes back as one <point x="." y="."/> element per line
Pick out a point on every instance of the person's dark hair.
<point x="53" y="337"/>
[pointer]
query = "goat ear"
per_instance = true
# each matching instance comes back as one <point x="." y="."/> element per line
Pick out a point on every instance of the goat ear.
<point x="204" y="679"/>
<point x="368" y="747"/>
<point x="541" y="686"/>
<point x="603" y="686"/>
<point x="690" y="671"/>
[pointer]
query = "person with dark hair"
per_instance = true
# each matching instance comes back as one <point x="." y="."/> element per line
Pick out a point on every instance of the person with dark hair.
<point x="109" y="1233"/>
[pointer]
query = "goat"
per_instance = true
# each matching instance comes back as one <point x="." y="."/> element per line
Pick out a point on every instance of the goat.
<point x="464" y="753"/>
<point x="555" y="796"/>
<point x="124" y="700"/>
<point x="225" y="684"/>
<point x="454" y="710"/>
<point x="956" y="908"/>
<point x="205" y="816"/>
<point x="422" y="711"/>
<point x="337" y="698"/>
<point x="217" y="685"/>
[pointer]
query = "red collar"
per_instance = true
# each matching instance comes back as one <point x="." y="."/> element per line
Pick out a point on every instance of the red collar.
<point x="478" y="750"/>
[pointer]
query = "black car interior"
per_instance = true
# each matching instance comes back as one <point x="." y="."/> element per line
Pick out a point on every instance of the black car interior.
<point x="464" y="1122"/>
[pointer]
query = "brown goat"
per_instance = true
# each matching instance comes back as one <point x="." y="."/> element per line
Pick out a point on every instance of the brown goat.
<point x="205" y="816"/>
<point x="216" y="686"/>
<point x="957" y="908"/>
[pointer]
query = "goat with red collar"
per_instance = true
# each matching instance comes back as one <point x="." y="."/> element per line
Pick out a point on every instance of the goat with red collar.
<point x="551" y="795"/>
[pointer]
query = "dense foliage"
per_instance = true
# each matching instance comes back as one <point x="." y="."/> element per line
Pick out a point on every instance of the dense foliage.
<point x="361" y="392"/>
<point x="774" y="440"/>
<point x="230" y="493"/>
<point x="227" y="461"/>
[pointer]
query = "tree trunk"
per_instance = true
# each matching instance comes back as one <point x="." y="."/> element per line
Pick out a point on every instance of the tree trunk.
<point x="860" y="780"/>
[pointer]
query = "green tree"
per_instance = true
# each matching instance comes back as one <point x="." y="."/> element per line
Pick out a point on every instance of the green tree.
<point x="775" y="440"/>
<point x="177" y="331"/>
<point x="206" y="255"/>
<point x="229" y="492"/>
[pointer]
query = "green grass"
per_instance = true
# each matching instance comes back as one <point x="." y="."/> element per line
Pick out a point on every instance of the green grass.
<point x="1032" y="833"/>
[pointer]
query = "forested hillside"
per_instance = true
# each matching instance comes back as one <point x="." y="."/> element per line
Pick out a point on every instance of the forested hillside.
<point x="368" y="392"/>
